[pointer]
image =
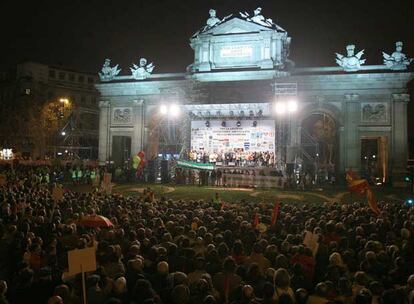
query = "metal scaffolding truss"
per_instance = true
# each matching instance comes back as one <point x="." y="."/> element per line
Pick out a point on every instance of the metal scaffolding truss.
<point x="229" y="110"/>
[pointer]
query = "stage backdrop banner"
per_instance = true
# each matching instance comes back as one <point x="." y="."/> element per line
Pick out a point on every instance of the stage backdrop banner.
<point x="218" y="138"/>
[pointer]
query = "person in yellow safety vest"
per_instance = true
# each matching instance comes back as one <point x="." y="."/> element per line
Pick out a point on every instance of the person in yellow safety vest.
<point x="74" y="175"/>
<point x="217" y="201"/>
<point x="93" y="176"/>
<point x="80" y="175"/>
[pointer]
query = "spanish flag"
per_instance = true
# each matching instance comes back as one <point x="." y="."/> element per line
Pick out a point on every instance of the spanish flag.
<point x="275" y="213"/>
<point x="256" y="220"/>
<point x="361" y="187"/>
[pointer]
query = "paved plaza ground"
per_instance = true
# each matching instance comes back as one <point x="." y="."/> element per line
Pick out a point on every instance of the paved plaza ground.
<point x="234" y="195"/>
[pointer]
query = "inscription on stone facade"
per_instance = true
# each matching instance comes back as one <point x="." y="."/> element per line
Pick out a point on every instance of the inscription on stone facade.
<point x="374" y="112"/>
<point x="236" y="51"/>
<point x="122" y="115"/>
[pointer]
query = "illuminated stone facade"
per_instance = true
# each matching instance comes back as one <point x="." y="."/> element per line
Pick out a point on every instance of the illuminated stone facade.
<point x="239" y="61"/>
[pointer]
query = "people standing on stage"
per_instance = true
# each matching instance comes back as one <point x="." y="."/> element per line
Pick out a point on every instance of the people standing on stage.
<point x="219" y="176"/>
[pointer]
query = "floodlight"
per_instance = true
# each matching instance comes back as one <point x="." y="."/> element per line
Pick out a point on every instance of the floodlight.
<point x="280" y="108"/>
<point x="63" y="133"/>
<point x="174" y="110"/>
<point x="163" y="110"/>
<point x="292" y="106"/>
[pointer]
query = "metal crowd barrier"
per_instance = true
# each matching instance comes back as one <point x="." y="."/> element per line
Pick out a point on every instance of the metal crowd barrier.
<point x="258" y="181"/>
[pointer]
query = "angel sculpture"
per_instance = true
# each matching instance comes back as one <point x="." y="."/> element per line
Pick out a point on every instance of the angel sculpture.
<point x="397" y="60"/>
<point x="351" y="62"/>
<point x="258" y="17"/>
<point x="108" y="73"/>
<point x="143" y="70"/>
<point x="213" y="20"/>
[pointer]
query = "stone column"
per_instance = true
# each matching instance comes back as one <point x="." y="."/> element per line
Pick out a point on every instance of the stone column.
<point x="104" y="130"/>
<point x="137" y="136"/>
<point x="342" y="149"/>
<point x="278" y="51"/>
<point x="399" y="137"/>
<point x="352" y="140"/>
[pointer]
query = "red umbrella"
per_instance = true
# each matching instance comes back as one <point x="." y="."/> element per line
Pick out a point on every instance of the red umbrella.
<point x="95" y="221"/>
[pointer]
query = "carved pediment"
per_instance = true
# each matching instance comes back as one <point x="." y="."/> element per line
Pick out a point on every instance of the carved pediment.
<point x="238" y="42"/>
<point x="236" y="26"/>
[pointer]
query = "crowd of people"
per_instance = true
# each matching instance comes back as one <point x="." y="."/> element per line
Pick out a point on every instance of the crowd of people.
<point x="237" y="157"/>
<point x="164" y="251"/>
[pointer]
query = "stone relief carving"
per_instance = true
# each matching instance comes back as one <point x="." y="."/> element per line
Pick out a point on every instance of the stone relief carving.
<point x="351" y="62"/>
<point x="404" y="97"/>
<point x="374" y="112"/>
<point x="108" y="73"/>
<point x="122" y="115"/>
<point x="260" y="19"/>
<point x="397" y="60"/>
<point x="351" y="96"/>
<point x="142" y="70"/>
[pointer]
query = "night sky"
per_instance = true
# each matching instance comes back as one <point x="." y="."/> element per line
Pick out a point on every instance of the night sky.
<point x="81" y="34"/>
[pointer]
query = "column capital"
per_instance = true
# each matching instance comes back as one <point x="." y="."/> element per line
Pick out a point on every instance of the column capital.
<point x="402" y="97"/>
<point x="351" y="97"/>
<point x="104" y="103"/>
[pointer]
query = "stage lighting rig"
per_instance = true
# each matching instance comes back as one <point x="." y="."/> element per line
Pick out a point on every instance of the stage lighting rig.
<point x="282" y="107"/>
<point x="172" y="109"/>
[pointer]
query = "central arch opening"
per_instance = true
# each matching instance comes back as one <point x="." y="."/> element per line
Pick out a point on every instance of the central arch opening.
<point x="319" y="143"/>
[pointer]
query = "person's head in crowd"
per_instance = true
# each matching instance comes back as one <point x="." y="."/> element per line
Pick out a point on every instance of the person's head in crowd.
<point x="360" y="278"/>
<point x="3" y="288"/>
<point x="55" y="300"/>
<point x="364" y="296"/>
<point x="120" y="285"/>
<point x="301" y="295"/>
<point x="282" y="279"/>
<point x="229" y="265"/>
<point x="285" y="299"/>
<point x="268" y="290"/>
<point x="163" y="268"/>
<point x="209" y="300"/>
<point x="180" y="294"/>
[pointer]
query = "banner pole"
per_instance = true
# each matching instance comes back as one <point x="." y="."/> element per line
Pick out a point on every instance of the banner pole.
<point x="83" y="285"/>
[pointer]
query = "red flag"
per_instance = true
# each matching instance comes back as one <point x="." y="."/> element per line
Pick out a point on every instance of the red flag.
<point x="275" y="213"/>
<point x="372" y="202"/>
<point x="361" y="187"/>
<point x="256" y="220"/>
